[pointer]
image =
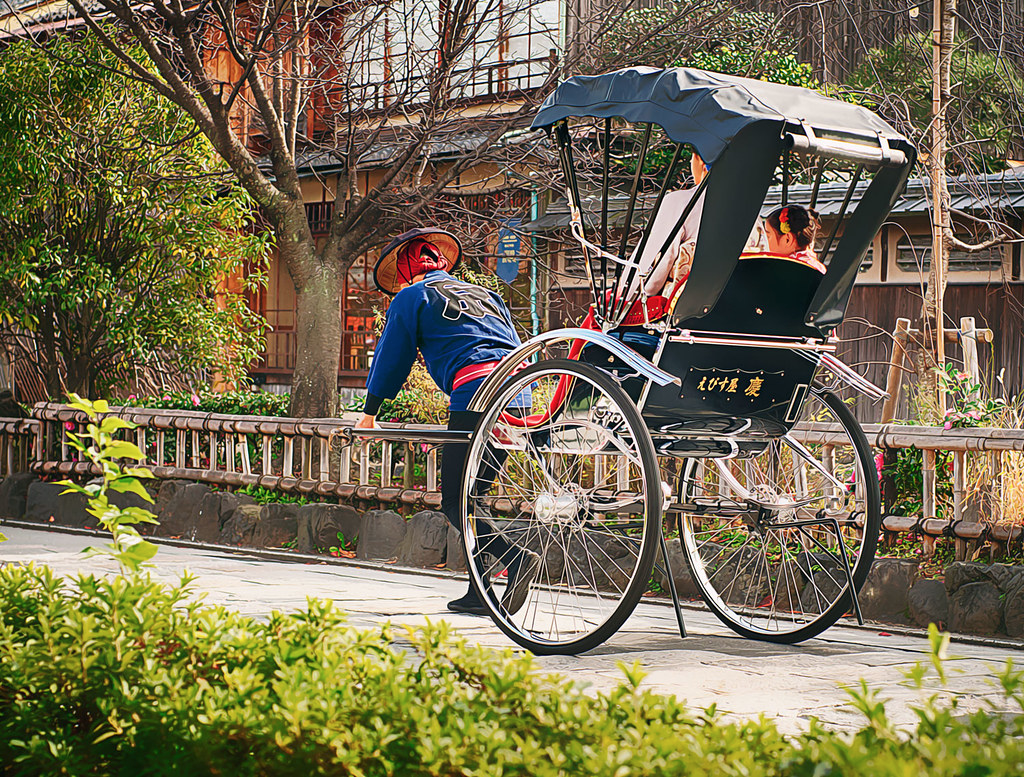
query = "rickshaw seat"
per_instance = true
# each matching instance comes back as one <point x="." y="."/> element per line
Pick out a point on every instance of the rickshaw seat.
<point x="767" y="294"/>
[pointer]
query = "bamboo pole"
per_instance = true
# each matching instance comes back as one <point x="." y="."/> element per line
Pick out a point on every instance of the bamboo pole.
<point x="897" y="360"/>
<point x="943" y="26"/>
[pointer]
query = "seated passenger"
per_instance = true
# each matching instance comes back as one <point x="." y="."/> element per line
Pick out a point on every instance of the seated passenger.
<point x="666" y="277"/>
<point x="677" y="259"/>
<point x="791" y="231"/>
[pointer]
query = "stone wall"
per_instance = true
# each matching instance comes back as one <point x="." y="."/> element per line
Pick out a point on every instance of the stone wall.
<point x="971" y="598"/>
<point x="194" y="511"/>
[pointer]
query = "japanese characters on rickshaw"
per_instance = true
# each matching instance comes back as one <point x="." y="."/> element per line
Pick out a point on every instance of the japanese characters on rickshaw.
<point x="706" y="411"/>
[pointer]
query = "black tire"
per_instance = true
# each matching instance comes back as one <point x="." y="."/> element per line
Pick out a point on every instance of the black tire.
<point x="773" y="573"/>
<point x="581" y="490"/>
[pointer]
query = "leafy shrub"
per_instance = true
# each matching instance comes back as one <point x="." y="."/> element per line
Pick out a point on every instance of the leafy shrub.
<point x="967" y="404"/>
<point x="264" y="496"/>
<point x="420" y="402"/>
<point x="967" y="407"/>
<point x="129" y="676"/>
<point x="227" y="403"/>
<point x="908" y="479"/>
<point x="100" y="446"/>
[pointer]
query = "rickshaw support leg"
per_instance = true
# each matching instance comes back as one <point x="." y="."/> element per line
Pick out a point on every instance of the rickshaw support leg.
<point x="672" y="585"/>
<point x="844" y="559"/>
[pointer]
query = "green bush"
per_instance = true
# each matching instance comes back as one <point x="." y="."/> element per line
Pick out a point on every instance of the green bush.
<point x="124" y="675"/>
<point x="414" y="404"/>
<point x="263" y="496"/>
<point x="226" y="403"/>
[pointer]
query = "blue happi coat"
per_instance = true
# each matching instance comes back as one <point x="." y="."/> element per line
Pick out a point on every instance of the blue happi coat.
<point x="451" y="322"/>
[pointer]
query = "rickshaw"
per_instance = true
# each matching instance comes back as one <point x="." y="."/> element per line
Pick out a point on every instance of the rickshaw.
<point x="709" y="426"/>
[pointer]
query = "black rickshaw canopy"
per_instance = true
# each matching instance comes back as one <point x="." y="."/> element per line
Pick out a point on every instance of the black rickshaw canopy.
<point x="742" y="128"/>
<point x="707" y="110"/>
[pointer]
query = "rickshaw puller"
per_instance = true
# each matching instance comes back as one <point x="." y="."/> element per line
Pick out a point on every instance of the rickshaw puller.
<point x="463" y="331"/>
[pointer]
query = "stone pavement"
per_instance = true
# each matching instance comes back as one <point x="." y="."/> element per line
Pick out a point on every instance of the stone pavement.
<point x="712" y="666"/>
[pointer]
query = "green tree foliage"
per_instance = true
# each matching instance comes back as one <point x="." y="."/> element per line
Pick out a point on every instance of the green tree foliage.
<point x="737" y="59"/>
<point x="706" y="34"/>
<point x="118" y="227"/>
<point x="675" y="32"/>
<point x="987" y="108"/>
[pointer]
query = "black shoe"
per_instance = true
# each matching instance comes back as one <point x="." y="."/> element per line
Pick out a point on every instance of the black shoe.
<point x="469" y="604"/>
<point x="521" y="573"/>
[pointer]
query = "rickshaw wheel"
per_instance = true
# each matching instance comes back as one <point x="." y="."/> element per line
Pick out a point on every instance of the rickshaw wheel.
<point x="762" y="536"/>
<point x="580" y="489"/>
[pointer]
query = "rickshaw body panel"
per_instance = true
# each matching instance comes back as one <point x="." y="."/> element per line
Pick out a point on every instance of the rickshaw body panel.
<point x="725" y="390"/>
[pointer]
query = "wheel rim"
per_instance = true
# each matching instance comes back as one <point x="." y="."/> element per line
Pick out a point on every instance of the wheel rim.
<point x="579" y="490"/>
<point x="765" y="537"/>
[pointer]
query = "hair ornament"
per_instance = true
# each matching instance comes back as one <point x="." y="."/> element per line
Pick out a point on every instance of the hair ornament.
<point x="784" y="227"/>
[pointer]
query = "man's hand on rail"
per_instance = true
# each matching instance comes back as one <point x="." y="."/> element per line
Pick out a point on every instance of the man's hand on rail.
<point x="366" y="422"/>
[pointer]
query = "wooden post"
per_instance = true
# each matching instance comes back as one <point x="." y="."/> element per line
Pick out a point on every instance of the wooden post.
<point x="289" y="453"/>
<point x="943" y="30"/>
<point x="432" y="469"/>
<point x="897" y="359"/>
<point x="969" y="343"/>
<point x="243" y="450"/>
<point x="409" y="466"/>
<point x="928" y="483"/>
<point x="345" y="466"/>
<point x="385" y="464"/>
<point x="959" y="481"/>
<point x="888" y="480"/>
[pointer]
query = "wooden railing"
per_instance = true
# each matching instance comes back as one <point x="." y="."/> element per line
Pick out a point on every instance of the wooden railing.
<point x="399" y="463"/>
<point x="18" y="437"/>
<point x="303" y="456"/>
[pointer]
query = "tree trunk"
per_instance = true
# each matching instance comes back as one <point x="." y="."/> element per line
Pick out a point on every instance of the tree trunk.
<point x="317" y="346"/>
<point x="47" y="341"/>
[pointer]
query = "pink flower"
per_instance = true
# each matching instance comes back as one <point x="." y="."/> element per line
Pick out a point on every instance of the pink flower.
<point x="947" y="425"/>
<point x="879" y="463"/>
<point x="962" y="376"/>
<point x="975" y="415"/>
<point x="132" y="396"/>
<point x="69" y="426"/>
<point x="195" y="400"/>
<point x="166" y="396"/>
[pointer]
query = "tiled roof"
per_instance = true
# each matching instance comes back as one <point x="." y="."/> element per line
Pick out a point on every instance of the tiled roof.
<point x="996" y="191"/>
<point x="972" y="194"/>
<point x="16" y="15"/>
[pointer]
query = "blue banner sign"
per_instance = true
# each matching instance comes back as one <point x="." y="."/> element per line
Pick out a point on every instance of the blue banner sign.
<point x="509" y="244"/>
